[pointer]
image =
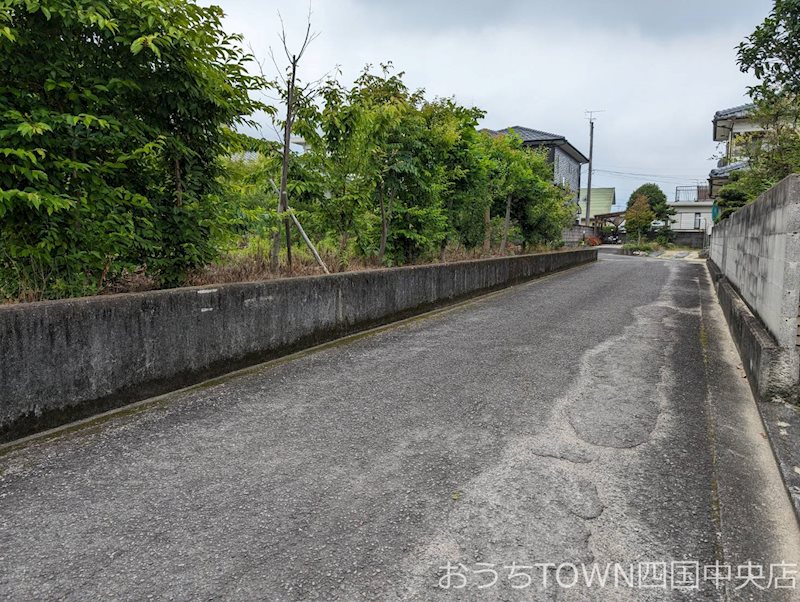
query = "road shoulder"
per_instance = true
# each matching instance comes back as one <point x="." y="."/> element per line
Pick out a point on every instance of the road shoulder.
<point x="756" y="519"/>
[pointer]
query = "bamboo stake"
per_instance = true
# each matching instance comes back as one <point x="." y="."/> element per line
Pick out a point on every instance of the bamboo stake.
<point x="307" y="240"/>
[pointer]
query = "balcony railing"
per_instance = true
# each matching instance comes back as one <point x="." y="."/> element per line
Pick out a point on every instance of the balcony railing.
<point x="690" y="194"/>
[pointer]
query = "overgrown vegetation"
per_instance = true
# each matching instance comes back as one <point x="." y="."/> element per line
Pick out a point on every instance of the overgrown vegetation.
<point x="772" y="54"/>
<point x="112" y="125"/>
<point x="389" y="177"/>
<point x="120" y="159"/>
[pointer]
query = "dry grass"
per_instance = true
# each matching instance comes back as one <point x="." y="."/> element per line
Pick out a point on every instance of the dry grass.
<point x="254" y="266"/>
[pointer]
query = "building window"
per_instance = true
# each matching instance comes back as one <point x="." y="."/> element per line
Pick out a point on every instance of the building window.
<point x="696" y="221"/>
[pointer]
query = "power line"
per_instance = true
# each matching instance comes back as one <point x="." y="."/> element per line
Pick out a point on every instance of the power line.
<point x="643" y="174"/>
<point x="660" y="177"/>
<point x="638" y="169"/>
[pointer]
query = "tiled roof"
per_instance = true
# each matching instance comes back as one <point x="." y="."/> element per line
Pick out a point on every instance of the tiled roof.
<point x="721" y="172"/>
<point x="531" y="135"/>
<point x="735" y="112"/>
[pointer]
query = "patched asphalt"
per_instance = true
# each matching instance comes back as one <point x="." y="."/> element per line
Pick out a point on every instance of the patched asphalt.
<point x="594" y="416"/>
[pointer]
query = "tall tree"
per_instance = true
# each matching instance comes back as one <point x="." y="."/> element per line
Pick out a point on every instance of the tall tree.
<point x="402" y="159"/>
<point x="657" y="201"/>
<point x="113" y="117"/>
<point x="340" y="146"/>
<point x="464" y="169"/>
<point x="639" y="216"/>
<point x="510" y="177"/>
<point x="294" y="96"/>
<point x="522" y="189"/>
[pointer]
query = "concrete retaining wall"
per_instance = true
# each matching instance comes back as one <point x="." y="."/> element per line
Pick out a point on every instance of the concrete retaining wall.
<point x="63" y="360"/>
<point x="695" y="240"/>
<point x="761" y="355"/>
<point x="757" y="251"/>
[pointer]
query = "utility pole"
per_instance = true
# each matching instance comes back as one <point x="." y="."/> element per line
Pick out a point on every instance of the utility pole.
<point x="591" y="152"/>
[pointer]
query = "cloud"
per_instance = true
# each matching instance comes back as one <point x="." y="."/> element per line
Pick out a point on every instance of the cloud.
<point x="659" y="70"/>
<point x="651" y="17"/>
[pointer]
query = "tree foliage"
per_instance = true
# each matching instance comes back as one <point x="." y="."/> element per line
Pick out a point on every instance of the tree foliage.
<point x="729" y="200"/>
<point x="401" y="176"/>
<point x="656" y="199"/>
<point x="120" y="154"/>
<point x="772" y="54"/>
<point x="639" y="216"/>
<point x="113" y="120"/>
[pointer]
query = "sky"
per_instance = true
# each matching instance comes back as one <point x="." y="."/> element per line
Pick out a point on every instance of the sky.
<point x="657" y="70"/>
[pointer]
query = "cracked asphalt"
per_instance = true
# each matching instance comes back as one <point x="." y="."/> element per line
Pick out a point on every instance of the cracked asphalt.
<point x="598" y="415"/>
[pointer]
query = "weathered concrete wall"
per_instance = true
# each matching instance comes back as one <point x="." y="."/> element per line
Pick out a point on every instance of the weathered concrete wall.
<point x="577" y="233"/>
<point x="757" y="250"/>
<point x="63" y="360"/>
<point x="761" y="355"/>
<point x="689" y="239"/>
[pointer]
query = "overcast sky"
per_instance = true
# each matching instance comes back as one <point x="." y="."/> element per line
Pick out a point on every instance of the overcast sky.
<point x="658" y="69"/>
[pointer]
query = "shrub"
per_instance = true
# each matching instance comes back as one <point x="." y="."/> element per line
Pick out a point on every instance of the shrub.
<point x="645" y="247"/>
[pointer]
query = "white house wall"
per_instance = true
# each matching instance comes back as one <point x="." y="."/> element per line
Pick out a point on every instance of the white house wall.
<point x="684" y="219"/>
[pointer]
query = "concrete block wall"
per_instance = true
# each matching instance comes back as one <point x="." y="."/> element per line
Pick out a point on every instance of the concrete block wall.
<point x="64" y="360"/>
<point x="757" y="250"/>
<point x="577" y="233"/>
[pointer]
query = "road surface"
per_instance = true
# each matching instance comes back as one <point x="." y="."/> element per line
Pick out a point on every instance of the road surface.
<point x="595" y="418"/>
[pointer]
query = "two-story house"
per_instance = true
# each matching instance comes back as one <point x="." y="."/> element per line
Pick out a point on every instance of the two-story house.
<point x="729" y="128"/>
<point x="563" y="156"/>
<point x="691" y="222"/>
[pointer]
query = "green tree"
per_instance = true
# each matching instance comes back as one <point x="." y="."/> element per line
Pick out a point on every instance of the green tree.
<point x="639" y="216"/>
<point x="772" y="54"/>
<point x="510" y="177"/>
<point x="656" y="199"/>
<point x="729" y="200"/>
<point x="391" y="176"/>
<point x="464" y="169"/>
<point x="246" y="189"/>
<point x="547" y="209"/>
<point x="113" y="117"/>
<point x="522" y="189"/>
<point x="339" y="136"/>
<point x="408" y="175"/>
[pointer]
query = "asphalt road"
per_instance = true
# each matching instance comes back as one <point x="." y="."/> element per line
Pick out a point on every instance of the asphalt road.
<point x="595" y="416"/>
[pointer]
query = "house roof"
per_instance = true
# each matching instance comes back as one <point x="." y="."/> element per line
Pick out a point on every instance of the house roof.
<point x="723" y="172"/>
<point x="689" y="204"/>
<point x="532" y="137"/>
<point x="602" y="201"/>
<point x="737" y="112"/>
<point x="725" y="118"/>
